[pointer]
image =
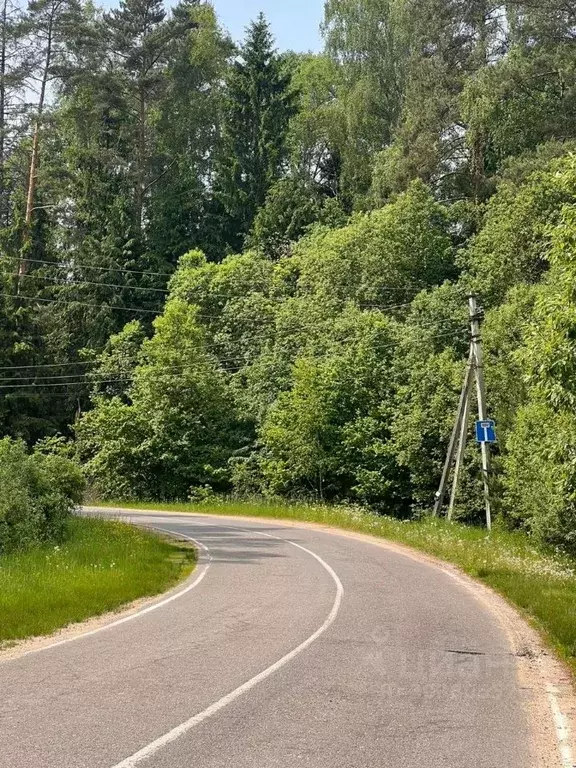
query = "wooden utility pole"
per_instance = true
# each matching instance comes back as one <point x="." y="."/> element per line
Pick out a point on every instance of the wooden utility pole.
<point x="481" y="393"/>
<point x="457" y="445"/>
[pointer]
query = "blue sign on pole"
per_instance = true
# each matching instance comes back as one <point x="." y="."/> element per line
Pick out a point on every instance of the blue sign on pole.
<point x="486" y="431"/>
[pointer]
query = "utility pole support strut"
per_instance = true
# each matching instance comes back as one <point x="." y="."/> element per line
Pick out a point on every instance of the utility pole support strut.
<point x="464" y="396"/>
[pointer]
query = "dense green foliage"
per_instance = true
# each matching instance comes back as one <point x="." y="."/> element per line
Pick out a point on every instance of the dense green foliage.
<point x="231" y="269"/>
<point x="39" y="493"/>
<point x="279" y="373"/>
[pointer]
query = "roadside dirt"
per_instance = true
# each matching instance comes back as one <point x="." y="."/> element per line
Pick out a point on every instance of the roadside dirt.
<point x="549" y="701"/>
<point x="546" y="681"/>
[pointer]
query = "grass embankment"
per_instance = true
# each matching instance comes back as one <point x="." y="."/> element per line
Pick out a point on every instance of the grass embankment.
<point x="539" y="581"/>
<point x="102" y="565"/>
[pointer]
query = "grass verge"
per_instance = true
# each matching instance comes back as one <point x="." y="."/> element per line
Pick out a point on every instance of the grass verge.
<point x="541" y="582"/>
<point x="101" y="566"/>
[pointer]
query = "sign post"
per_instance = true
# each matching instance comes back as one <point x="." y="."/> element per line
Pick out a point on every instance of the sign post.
<point x="482" y="410"/>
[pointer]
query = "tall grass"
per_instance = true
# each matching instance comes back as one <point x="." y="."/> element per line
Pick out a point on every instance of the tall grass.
<point x="102" y="565"/>
<point x="540" y="581"/>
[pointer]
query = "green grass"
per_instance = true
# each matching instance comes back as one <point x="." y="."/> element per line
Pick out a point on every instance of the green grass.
<point x="102" y="565"/>
<point x="540" y="581"/>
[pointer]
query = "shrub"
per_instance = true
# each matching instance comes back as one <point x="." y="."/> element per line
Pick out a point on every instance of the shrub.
<point x="38" y="493"/>
<point x="540" y="473"/>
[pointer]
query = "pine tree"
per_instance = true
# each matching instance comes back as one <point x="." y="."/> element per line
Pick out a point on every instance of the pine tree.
<point x="258" y="106"/>
<point x="528" y="97"/>
<point x="449" y="41"/>
<point x="139" y="35"/>
<point x="365" y="39"/>
<point x="545" y="21"/>
<point x="12" y="79"/>
<point x="57" y="36"/>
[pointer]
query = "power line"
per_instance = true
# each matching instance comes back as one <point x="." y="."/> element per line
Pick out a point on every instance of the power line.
<point x="74" y="265"/>
<point x="45" y="378"/>
<point x="62" y="265"/>
<point x="34" y="276"/>
<point x="316" y="325"/>
<point x="59" y="384"/>
<point x="201" y="316"/>
<point x="164" y="291"/>
<point x="47" y="365"/>
<point x="97" y="381"/>
<point x="96" y="306"/>
<point x="256" y="336"/>
<point x="382" y="308"/>
<point x="79" y="303"/>
<point x="120" y="380"/>
<point x="105" y="306"/>
<point x="125" y="380"/>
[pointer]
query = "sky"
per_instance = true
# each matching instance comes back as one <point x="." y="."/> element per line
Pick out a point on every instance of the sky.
<point x="295" y="23"/>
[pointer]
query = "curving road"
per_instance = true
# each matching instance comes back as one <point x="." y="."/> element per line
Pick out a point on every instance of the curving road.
<point x="288" y="647"/>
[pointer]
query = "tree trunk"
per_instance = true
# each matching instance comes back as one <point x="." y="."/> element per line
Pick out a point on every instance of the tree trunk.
<point x="140" y="182"/>
<point x="3" y="42"/>
<point x="35" y="153"/>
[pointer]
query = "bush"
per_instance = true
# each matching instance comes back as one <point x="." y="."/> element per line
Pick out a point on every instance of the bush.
<point x="540" y="474"/>
<point x="38" y="493"/>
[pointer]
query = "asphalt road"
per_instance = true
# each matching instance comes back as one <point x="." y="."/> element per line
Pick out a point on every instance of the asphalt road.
<point x="295" y="648"/>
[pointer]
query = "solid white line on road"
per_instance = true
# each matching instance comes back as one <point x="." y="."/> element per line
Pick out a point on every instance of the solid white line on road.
<point x="562" y="729"/>
<point x="561" y="722"/>
<point x="138" y="614"/>
<point x="180" y="730"/>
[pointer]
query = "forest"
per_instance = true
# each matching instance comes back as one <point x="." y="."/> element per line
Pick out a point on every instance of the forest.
<point x="228" y="269"/>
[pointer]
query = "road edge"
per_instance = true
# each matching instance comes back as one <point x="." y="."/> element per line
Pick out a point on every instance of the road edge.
<point x="128" y="611"/>
<point x="550" y="700"/>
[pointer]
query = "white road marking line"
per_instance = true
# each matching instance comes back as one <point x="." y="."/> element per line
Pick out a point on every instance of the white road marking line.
<point x="132" y="616"/>
<point x="561" y="723"/>
<point x="563" y="733"/>
<point x="562" y="728"/>
<point x="151" y="749"/>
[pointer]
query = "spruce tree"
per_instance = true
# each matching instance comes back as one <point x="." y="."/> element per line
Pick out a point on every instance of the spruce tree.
<point x="186" y="114"/>
<point x="258" y="106"/>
